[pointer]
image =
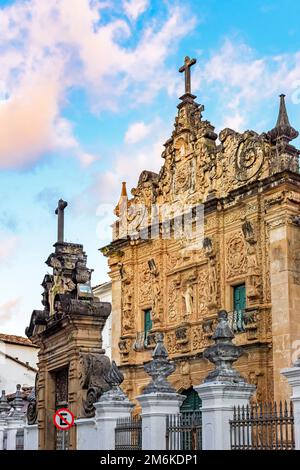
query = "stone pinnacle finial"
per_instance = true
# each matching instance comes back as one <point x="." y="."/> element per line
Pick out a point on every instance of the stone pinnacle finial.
<point x="122" y="203"/>
<point x="18" y="400"/>
<point x="159" y="368"/>
<point x="297" y="362"/>
<point x="223" y="353"/>
<point x="283" y="130"/>
<point x="4" y="405"/>
<point x="114" y="378"/>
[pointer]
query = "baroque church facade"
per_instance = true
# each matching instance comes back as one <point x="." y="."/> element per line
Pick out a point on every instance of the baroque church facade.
<point x="241" y="196"/>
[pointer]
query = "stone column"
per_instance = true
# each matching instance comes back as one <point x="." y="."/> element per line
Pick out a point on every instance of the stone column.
<point x="86" y="434"/>
<point x="285" y="289"/>
<point x="293" y="376"/>
<point x="112" y="405"/>
<point x="223" y="389"/>
<point x="158" y="399"/>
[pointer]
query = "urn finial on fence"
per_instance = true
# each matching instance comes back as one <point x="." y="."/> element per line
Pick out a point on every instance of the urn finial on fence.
<point x="4" y="405"/>
<point x="159" y="368"/>
<point x="223" y="353"/>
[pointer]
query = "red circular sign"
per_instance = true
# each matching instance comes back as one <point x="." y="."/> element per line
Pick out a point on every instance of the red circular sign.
<point x="63" y="419"/>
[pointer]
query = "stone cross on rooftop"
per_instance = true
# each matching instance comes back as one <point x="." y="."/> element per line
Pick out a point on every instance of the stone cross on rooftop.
<point x="60" y="222"/>
<point x="186" y="68"/>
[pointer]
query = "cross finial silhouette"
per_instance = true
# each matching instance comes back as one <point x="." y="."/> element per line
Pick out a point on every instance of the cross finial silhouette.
<point x="60" y="222"/>
<point x="186" y="68"/>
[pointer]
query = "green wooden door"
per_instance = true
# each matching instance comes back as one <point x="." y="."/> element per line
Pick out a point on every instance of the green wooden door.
<point x="192" y="401"/>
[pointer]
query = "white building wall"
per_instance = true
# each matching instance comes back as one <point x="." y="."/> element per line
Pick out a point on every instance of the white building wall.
<point x="103" y="292"/>
<point x="11" y="372"/>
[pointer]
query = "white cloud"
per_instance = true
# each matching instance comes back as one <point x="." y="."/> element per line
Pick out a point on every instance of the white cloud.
<point x="49" y="48"/>
<point x="7" y="247"/>
<point x="9" y="309"/>
<point x="242" y="82"/>
<point x="136" y="132"/>
<point x="134" y="8"/>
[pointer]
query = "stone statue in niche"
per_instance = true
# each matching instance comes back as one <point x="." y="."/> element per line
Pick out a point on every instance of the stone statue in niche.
<point x="188" y="296"/>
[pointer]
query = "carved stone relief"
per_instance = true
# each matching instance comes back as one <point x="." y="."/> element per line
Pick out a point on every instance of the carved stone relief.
<point x="236" y="259"/>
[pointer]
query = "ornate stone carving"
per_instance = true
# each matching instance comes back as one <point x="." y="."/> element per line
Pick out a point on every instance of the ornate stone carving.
<point x="144" y="284"/>
<point x="196" y="337"/>
<point x="203" y="292"/>
<point x="127" y="294"/>
<point x="236" y="255"/>
<point x="172" y="302"/>
<point x="125" y="348"/>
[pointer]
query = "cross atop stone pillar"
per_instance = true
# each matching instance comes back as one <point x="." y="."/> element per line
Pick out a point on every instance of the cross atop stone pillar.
<point x="59" y="211"/>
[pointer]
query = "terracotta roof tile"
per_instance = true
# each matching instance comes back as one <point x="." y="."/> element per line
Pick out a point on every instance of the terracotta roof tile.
<point x="13" y="339"/>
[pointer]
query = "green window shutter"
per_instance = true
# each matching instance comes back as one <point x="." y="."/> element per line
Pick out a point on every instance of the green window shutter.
<point x="147" y="321"/>
<point x="239" y="297"/>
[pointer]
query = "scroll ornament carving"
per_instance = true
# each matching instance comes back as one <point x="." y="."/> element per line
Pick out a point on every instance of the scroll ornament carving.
<point x="92" y="372"/>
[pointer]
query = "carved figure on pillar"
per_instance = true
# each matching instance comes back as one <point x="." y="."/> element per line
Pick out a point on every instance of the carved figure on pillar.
<point x="126" y="280"/>
<point x="253" y="276"/>
<point x="156" y="291"/>
<point x="212" y="272"/>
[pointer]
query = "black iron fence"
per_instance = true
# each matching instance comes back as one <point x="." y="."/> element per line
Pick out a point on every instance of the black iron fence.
<point x="184" y="431"/>
<point x="128" y="433"/>
<point x="263" y="427"/>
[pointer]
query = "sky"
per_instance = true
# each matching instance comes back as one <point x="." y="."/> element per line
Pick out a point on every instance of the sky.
<point x="88" y="96"/>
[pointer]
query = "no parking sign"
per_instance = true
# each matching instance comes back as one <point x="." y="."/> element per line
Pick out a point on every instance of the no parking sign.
<point x="63" y="419"/>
